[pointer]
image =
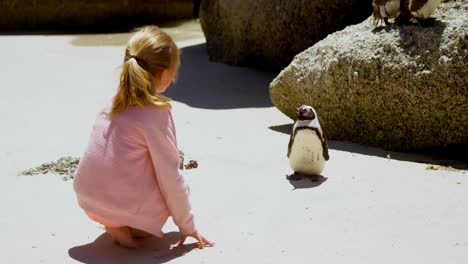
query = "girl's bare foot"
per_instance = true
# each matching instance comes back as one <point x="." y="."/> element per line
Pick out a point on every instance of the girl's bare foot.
<point x="139" y="234"/>
<point x="122" y="236"/>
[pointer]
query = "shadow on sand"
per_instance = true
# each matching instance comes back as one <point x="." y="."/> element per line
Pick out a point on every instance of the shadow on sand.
<point x="208" y="85"/>
<point x="180" y="30"/>
<point x="153" y="251"/>
<point x="102" y="28"/>
<point x="451" y="156"/>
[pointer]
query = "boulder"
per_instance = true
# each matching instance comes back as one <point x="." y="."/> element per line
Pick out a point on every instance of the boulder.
<point x="269" y="33"/>
<point x="399" y="87"/>
<point x="89" y="14"/>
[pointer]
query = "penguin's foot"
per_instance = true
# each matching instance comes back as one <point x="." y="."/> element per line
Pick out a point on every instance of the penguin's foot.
<point x="386" y="21"/>
<point x="314" y="178"/>
<point x="294" y="177"/>
<point x="427" y="22"/>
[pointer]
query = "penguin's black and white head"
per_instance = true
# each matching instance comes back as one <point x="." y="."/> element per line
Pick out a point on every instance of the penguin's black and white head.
<point x="305" y="112"/>
<point x="306" y="117"/>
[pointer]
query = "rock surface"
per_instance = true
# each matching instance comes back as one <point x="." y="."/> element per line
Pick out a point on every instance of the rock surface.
<point x="401" y="88"/>
<point x="269" y="33"/>
<point x="89" y="15"/>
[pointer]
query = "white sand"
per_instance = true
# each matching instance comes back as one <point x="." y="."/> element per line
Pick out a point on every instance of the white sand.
<point x="370" y="210"/>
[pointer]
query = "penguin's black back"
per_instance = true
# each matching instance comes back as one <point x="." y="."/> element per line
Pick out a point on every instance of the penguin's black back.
<point x="417" y="4"/>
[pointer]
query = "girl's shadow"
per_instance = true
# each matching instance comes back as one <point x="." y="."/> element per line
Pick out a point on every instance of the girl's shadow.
<point x="153" y="250"/>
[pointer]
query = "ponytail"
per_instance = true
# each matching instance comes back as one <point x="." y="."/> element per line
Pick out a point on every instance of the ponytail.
<point x="148" y="52"/>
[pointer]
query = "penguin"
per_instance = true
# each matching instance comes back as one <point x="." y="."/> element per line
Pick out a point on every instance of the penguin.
<point x="423" y="9"/>
<point x="384" y="10"/>
<point x="404" y="10"/>
<point x="308" y="147"/>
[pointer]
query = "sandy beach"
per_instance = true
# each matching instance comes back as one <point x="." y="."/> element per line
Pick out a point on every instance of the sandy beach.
<point x="375" y="206"/>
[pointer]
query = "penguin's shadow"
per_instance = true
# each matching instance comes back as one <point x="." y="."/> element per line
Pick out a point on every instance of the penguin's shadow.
<point x="453" y="156"/>
<point x="383" y="28"/>
<point x="415" y="40"/>
<point x="285" y="129"/>
<point x="152" y="251"/>
<point x="307" y="182"/>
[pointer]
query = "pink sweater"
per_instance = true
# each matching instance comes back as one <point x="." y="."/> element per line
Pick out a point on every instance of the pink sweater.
<point x="130" y="174"/>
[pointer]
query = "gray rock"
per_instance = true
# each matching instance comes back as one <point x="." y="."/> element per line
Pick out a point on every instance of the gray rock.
<point x="269" y="33"/>
<point x="401" y="88"/>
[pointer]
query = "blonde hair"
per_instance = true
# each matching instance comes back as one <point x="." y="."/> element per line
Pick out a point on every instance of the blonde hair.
<point x="149" y="51"/>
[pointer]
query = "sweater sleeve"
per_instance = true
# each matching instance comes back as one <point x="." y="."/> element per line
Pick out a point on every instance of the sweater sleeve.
<point x="162" y="145"/>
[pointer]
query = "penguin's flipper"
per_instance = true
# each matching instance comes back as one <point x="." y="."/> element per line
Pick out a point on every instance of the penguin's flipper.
<point x="326" y="156"/>
<point x="291" y="139"/>
<point x="324" y="141"/>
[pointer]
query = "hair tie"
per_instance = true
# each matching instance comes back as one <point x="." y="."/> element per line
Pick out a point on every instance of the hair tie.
<point x="139" y="61"/>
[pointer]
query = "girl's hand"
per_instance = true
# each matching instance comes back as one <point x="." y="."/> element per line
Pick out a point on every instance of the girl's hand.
<point x="202" y="241"/>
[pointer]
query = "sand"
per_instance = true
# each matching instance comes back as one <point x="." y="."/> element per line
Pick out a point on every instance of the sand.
<point x="374" y="207"/>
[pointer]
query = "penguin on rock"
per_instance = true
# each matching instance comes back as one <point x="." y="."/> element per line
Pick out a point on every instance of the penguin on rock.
<point x="404" y="10"/>
<point x="308" y="147"/>
<point x="421" y="10"/>
<point x="385" y="10"/>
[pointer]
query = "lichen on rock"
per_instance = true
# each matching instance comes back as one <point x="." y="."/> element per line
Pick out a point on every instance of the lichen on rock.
<point x="400" y="87"/>
<point x="269" y="33"/>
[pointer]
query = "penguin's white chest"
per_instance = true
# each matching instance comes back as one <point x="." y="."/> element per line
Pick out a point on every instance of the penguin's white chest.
<point x="390" y="9"/>
<point x="307" y="153"/>
<point x="427" y="9"/>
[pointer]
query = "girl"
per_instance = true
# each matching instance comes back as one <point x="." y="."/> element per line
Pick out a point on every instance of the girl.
<point x="128" y="179"/>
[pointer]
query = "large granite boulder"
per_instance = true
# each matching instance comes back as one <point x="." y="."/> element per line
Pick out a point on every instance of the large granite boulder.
<point x="89" y="15"/>
<point x="401" y="88"/>
<point x="269" y="33"/>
